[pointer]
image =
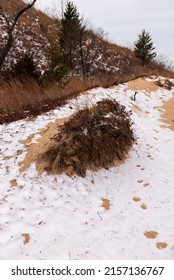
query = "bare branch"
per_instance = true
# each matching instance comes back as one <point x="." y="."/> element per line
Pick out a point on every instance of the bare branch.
<point x="21" y="12"/>
<point x="10" y="29"/>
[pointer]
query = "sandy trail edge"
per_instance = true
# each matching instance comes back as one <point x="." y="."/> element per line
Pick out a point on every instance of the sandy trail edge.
<point x="142" y="84"/>
<point x="167" y="108"/>
<point x="36" y="149"/>
<point x="168" y="114"/>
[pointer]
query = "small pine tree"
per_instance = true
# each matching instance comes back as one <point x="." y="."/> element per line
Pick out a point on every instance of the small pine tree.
<point x="58" y="70"/>
<point x="70" y="35"/>
<point x="144" y="48"/>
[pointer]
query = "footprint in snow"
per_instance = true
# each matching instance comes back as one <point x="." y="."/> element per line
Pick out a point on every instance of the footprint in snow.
<point x="161" y="245"/>
<point x="106" y="203"/>
<point x="137" y="199"/>
<point x="153" y="235"/>
<point x="140" y="181"/>
<point x="144" y="206"/>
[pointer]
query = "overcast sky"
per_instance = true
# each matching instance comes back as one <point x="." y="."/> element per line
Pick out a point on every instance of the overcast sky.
<point x="123" y="20"/>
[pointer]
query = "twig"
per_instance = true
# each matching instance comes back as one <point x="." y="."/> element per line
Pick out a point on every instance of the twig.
<point x="99" y="215"/>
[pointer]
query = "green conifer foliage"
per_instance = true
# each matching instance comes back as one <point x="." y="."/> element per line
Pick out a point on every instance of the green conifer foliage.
<point x="144" y="48"/>
<point x="70" y="35"/>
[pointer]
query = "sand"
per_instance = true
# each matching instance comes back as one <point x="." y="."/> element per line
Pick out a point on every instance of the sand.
<point x="142" y="84"/>
<point x="36" y="149"/>
<point x="168" y="114"/>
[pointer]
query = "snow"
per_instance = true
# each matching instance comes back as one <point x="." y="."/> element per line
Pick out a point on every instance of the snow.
<point x="25" y="41"/>
<point x="65" y="217"/>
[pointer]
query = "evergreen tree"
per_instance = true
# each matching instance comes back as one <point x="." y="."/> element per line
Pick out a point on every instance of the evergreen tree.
<point x="70" y="38"/>
<point x="144" y="48"/>
<point x="57" y="68"/>
<point x="70" y="25"/>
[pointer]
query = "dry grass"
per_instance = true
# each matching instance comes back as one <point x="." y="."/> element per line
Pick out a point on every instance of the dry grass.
<point x="20" y="98"/>
<point x="91" y="139"/>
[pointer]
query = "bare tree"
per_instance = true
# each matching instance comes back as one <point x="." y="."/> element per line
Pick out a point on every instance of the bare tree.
<point x="11" y="24"/>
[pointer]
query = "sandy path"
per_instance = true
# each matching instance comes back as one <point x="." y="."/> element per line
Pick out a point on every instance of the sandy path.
<point x="142" y="84"/>
<point x="168" y="115"/>
<point x="168" y="107"/>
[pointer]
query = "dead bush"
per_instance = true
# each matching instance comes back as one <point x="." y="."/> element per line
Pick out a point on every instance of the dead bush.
<point x="91" y="139"/>
<point x="167" y="84"/>
<point x="24" y="68"/>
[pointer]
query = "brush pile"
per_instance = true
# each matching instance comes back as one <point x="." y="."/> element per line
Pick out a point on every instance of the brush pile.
<point x="91" y="139"/>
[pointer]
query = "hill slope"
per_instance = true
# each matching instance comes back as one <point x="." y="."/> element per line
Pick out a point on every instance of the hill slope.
<point x="35" y="31"/>
<point x="30" y="34"/>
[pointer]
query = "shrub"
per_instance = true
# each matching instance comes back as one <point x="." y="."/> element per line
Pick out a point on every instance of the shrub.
<point x="91" y="139"/>
<point x="167" y="84"/>
<point x="58" y="74"/>
<point x="25" y="66"/>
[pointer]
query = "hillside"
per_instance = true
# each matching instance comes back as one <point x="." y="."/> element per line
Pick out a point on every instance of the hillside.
<point x="109" y="212"/>
<point x="35" y="32"/>
<point x="30" y="35"/>
<point x="36" y="36"/>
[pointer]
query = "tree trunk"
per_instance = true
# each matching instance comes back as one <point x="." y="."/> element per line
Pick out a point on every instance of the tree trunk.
<point x="6" y="50"/>
<point x="82" y="58"/>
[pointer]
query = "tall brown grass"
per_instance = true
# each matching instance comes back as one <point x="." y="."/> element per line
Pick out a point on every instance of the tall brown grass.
<point x="20" y="98"/>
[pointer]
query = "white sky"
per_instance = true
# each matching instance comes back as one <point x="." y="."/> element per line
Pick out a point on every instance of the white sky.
<point x="123" y="20"/>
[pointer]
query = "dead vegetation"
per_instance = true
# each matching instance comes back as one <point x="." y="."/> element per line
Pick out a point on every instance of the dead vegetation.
<point x="91" y="139"/>
<point x="165" y="83"/>
<point x="26" y="97"/>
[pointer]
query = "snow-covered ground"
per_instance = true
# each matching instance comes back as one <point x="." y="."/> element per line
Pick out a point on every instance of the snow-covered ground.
<point x="126" y="212"/>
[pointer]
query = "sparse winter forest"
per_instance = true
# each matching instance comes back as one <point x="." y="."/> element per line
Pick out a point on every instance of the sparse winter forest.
<point x="86" y="140"/>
